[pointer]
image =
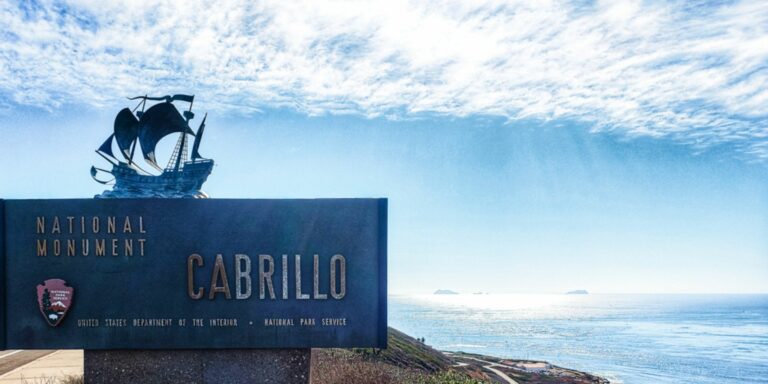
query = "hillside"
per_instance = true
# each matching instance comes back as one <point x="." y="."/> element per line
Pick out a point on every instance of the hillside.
<point x="408" y="360"/>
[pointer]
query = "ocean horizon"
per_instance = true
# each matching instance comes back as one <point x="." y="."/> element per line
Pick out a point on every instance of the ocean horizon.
<point x="626" y="338"/>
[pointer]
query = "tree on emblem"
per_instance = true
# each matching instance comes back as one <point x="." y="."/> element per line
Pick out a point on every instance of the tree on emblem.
<point x="49" y="312"/>
<point x="47" y="301"/>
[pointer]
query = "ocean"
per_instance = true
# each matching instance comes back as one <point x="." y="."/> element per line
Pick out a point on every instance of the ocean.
<point x="632" y="339"/>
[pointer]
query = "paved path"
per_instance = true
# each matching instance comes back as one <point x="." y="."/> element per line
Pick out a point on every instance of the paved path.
<point x="490" y="366"/>
<point x="500" y="373"/>
<point x="10" y="360"/>
<point x="20" y="366"/>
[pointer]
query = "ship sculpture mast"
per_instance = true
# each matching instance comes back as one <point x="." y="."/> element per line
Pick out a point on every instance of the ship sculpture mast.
<point x="181" y="146"/>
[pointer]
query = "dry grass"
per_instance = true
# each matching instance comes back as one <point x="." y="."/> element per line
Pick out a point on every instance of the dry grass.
<point x="405" y="361"/>
<point x="338" y="366"/>
<point x="72" y="380"/>
<point x="69" y="379"/>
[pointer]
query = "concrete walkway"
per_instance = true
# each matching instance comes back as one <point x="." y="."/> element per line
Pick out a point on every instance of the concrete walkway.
<point x="491" y="367"/>
<point x="49" y="369"/>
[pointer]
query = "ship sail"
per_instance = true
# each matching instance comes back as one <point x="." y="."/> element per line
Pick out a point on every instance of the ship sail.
<point x="167" y="98"/>
<point x="157" y="122"/>
<point x="126" y="131"/>
<point x="106" y="148"/>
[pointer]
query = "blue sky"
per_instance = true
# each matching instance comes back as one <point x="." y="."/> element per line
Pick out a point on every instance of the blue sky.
<point x="617" y="147"/>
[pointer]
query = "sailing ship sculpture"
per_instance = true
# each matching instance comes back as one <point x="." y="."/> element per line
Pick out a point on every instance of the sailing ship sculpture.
<point x="181" y="177"/>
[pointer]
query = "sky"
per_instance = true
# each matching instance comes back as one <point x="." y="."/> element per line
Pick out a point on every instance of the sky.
<point x="618" y="147"/>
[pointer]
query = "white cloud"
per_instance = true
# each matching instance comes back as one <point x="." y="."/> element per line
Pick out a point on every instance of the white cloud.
<point x="697" y="74"/>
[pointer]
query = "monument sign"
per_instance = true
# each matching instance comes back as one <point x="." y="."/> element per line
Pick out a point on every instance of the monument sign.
<point x="183" y="273"/>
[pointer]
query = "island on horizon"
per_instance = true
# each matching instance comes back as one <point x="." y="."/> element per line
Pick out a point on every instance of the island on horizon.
<point x="577" y="292"/>
<point x="445" y="292"/>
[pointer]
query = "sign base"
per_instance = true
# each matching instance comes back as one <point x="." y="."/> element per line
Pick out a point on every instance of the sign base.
<point x="289" y="366"/>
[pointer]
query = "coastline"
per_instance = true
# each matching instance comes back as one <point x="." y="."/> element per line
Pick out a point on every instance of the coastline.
<point x="409" y="360"/>
<point x="632" y="338"/>
<point x="512" y="371"/>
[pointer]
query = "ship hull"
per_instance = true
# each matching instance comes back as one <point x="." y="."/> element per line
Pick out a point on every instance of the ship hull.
<point x="186" y="182"/>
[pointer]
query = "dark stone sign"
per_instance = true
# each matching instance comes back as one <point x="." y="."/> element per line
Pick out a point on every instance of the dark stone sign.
<point x="193" y="273"/>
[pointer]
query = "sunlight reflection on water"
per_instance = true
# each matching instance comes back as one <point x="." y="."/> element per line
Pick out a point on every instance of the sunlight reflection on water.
<point x="630" y="338"/>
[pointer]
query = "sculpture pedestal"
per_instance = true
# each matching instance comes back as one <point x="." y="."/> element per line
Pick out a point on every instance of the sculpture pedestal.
<point x="289" y="366"/>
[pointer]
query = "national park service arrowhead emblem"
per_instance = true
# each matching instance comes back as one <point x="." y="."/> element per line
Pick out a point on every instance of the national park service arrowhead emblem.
<point x="55" y="298"/>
